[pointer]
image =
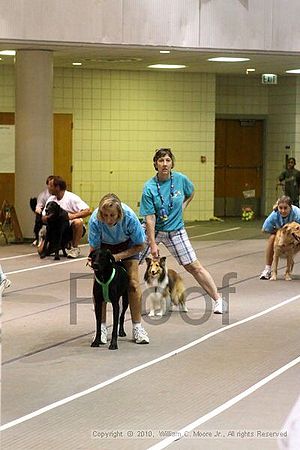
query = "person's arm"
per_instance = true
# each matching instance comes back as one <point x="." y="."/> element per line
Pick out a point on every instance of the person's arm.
<point x="129" y="252"/>
<point x="79" y="214"/>
<point x="150" y="228"/>
<point x="187" y="200"/>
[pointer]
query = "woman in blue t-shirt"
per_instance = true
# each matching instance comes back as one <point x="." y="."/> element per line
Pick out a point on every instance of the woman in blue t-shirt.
<point x="164" y="198"/>
<point x="115" y="226"/>
<point x="283" y="212"/>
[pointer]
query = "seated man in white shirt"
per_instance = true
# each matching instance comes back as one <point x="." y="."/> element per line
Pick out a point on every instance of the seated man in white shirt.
<point x="76" y="208"/>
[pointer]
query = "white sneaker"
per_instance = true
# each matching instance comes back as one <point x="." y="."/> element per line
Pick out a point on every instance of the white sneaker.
<point x="139" y="335"/>
<point x="266" y="274"/>
<point x="220" y="306"/>
<point x="74" y="252"/>
<point x="5" y="283"/>
<point x="103" y="334"/>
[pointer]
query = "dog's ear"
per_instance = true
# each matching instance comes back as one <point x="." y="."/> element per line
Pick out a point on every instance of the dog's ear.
<point x="163" y="261"/>
<point x="92" y="254"/>
<point x="148" y="260"/>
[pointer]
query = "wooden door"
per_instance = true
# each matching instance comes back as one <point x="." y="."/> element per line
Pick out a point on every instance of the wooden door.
<point x="62" y="154"/>
<point x="238" y="165"/>
<point x="7" y="180"/>
<point x="62" y="147"/>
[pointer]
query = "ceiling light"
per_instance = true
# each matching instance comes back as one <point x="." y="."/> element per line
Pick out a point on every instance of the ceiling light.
<point x="164" y="51"/>
<point x="293" y="71"/>
<point x="166" y="66"/>
<point x="228" y="59"/>
<point x="76" y="64"/>
<point x="249" y="70"/>
<point x="8" y="52"/>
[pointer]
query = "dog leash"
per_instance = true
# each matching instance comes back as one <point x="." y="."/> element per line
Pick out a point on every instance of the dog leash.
<point x="105" y="286"/>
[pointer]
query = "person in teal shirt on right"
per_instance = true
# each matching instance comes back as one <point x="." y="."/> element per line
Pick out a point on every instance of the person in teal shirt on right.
<point x="283" y="212"/>
<point x="164" y="198"/>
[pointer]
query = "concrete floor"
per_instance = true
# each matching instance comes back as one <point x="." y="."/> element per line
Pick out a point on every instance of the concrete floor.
<point x="203" y="374"/>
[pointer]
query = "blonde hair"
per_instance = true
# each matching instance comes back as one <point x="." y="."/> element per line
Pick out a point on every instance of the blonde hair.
<point x="110" y="201"/>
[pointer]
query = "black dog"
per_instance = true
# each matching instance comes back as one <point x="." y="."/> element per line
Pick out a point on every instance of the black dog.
<point x="58" y="231"/>
<point x="110" y="283"/>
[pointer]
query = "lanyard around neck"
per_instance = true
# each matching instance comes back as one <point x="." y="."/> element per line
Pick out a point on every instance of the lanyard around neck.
<point x="170" y="205"/>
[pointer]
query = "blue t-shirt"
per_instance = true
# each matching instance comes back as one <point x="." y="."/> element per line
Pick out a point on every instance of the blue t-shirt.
<point x="275" y="220"/>
<point x="151" y="202"/>
<point x="129" y="228"/>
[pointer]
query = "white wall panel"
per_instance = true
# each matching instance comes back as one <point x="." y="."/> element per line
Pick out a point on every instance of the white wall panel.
<point x="62" y="20"/>
<point x="157" y="22"/>
<point x="235" y="24"/>
<point x="217" y="24"/>
<point x="286" y="25"/>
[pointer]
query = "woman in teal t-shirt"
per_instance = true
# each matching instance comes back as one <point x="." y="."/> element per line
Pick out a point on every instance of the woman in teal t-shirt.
<point x="164" y="198"/>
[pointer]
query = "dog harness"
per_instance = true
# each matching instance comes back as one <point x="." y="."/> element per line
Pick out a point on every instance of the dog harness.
<point x="105" y="286"/>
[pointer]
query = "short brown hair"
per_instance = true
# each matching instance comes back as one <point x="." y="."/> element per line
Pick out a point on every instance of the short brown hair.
<point x="110" y="201"/>
<point x="60" y="182"/>
<point x="160" y="152"/>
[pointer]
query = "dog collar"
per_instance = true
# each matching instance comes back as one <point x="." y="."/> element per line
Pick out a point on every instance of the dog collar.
<point x="105" y="286"/>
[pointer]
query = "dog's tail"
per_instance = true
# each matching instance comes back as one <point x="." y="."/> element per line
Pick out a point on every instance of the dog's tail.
<point x="176" y="286"/>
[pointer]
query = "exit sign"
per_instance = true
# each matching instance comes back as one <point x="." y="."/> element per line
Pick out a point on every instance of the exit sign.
<point x="269" y="78"/>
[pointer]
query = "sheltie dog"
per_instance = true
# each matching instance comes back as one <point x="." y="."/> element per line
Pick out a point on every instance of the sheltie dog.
<point x="166" y="287"/>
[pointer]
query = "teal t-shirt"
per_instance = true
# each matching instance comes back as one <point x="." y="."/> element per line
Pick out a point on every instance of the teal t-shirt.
<point x="152" y="203"/>
<point x="129" y="228"/>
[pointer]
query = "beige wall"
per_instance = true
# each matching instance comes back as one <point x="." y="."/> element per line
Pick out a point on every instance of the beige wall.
<point x="121" y="117"/>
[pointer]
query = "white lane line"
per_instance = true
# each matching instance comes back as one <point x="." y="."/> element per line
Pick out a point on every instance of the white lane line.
<point x="215" y="412"/>
<point x="30" y="254"/>
<point x="17" y="256"/>
<point x="45" y="266"/>
<point x="215" y="232"/>
<point x="141" y="367"/>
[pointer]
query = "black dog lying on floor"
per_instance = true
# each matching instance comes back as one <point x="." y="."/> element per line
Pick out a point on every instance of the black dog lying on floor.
<point x="58" y="231"/>
<point x="110" y="283"/>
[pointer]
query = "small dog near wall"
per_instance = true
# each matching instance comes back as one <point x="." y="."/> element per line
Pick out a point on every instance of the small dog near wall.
<point x="286" y="245"/>
<point x="110" y="283"/>
<point x="58" y="232"/>
<point x="167" y="285"/>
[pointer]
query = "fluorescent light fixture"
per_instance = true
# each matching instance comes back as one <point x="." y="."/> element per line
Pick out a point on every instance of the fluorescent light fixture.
<point x="228" y="59"/>
<point x="77" y="64"/>
<point x="166" y="66"/>
<point x="250" y="70"/>
<point x="164" y="51"/>
<point x="293" y="71"/>
<point x="8" y="52"/>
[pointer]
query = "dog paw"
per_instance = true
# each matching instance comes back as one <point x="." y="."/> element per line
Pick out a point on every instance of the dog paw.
<point x="151" y="314"/>
<point x="183" y="309"/>
<point x="113" y="346"/>
<point x="122" y="333"/>
<point x="160" y="313"/>
<point x="273" y="278"/>
<point x="95" y="344"/>
<point x="287" y="278"/>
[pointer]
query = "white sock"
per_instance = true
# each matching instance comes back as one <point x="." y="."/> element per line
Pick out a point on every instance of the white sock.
<point x="103" y="325"/>
<point x="136" y="325"/>
<point x="268" y="267"/>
